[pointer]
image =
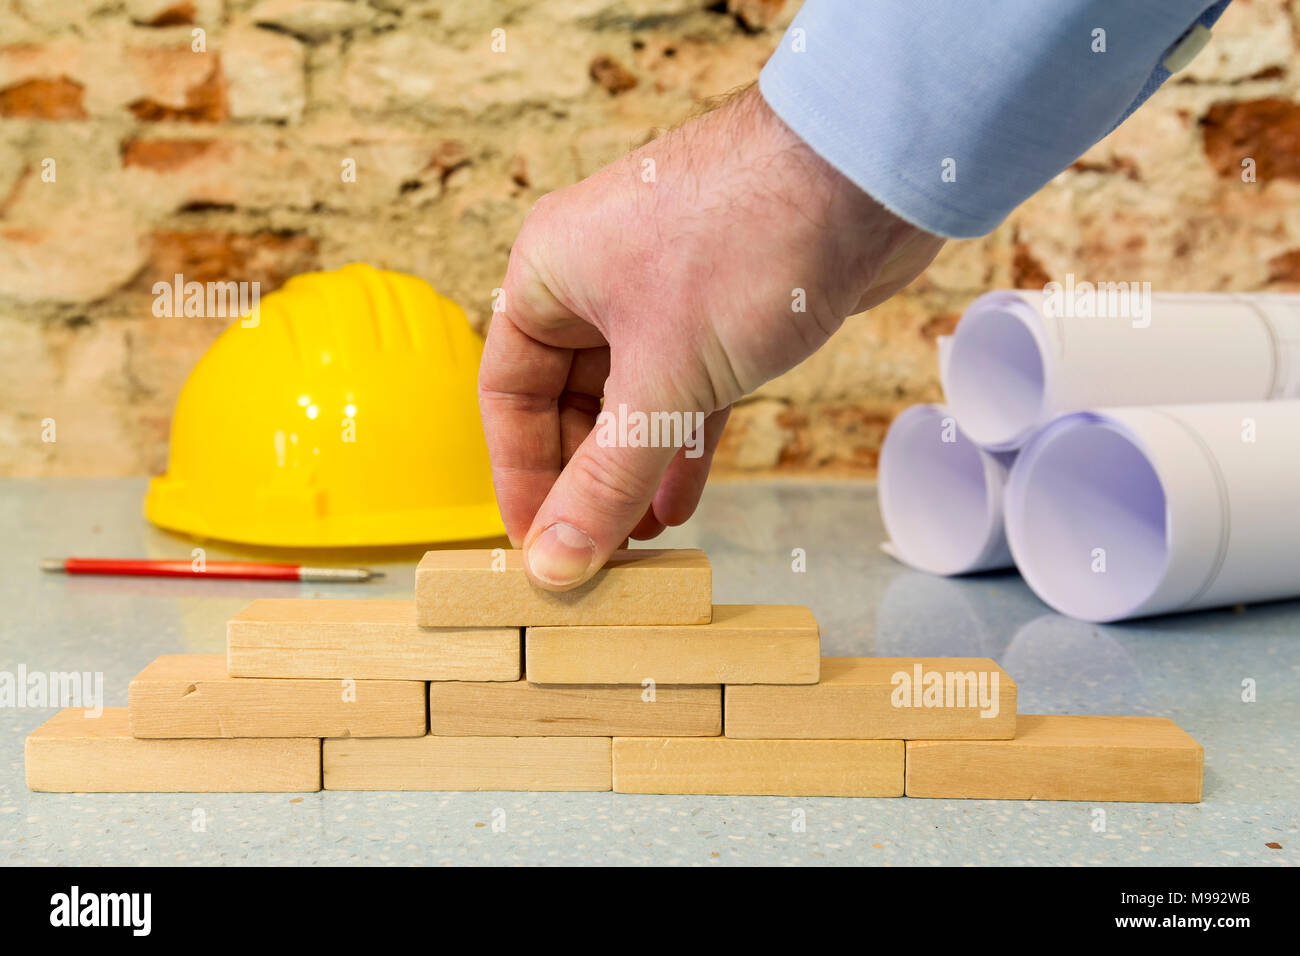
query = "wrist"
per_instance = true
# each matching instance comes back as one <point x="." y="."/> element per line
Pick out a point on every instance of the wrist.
<point x="859" y="234"/>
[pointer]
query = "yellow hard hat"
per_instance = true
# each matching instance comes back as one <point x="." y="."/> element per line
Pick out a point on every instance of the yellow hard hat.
<point x="341" y="412"/>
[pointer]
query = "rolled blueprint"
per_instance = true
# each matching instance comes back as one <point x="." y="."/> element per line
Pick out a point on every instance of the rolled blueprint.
<point x="1126" y="512"/>
<point x="941" y="495"/>
<point x="1018" y="359"/>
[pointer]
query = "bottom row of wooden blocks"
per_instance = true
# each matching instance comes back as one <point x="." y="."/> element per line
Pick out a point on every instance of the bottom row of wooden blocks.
<point x="1132" y="759"/>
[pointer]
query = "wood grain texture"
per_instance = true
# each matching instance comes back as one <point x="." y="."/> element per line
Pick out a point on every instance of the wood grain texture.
<point x="523" y="709"/>
<point x="790" y="768"/>
<point x="332" y="638"/>
<point x="71" y="753"/>
<point x="743" y="644"/>
<point x="191" y="695"/>
<point x="642" y="586"/>
<point x="1131" y="759"/>
<point x="467" y="763"/>
<point x="864" y="698"/>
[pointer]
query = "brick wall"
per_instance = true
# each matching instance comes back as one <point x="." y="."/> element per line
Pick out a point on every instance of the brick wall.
<point x="225" y="163"/>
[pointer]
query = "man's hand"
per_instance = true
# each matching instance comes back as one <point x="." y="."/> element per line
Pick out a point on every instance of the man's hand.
<point x="668" y="281"/>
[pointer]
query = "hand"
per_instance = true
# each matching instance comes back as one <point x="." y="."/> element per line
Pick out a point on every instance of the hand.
<point x="666" y="282"/>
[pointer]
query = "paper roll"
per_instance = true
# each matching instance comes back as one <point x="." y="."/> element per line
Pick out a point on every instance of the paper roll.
<point x="941" y="495"/>
<point x="1122" y="513"/>
<point x="1018" y="359"/>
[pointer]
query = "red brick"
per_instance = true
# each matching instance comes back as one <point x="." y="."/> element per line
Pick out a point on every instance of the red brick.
<point x="179" y="14"/>
<point x="611" y="75"/>
<point x="164" y="155"/>
<point x="1026" y="271"/>
<point x="1266" y="130"/>
<point x="937" y="325"/>
<point x="1285" y="268"/>
<point x="204" y="102"/>
<point x="49" y="99"/>
<point x="269" y="258"/>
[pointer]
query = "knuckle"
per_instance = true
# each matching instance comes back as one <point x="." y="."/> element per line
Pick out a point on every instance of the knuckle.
<point x="608" y="484"/>
<point x="542" y="209"/>
<point x="529" y="236"/>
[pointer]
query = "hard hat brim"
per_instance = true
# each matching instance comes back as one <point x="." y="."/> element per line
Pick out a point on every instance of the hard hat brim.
<point x="173" y="506"/>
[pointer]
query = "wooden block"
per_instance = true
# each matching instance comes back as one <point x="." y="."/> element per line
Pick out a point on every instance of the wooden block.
<point x="643" y="586"/>
<point x="523" y="709"/>
<point x="468" y="763"/>
<point x="191" y="695"/>
<point x="336" y="638"/>
<point x="861" y="698"/>
<point x="775" y="768"/>
<point x="72" y="753"/>
<point x="1132" y="759"/>
<point x="743" y="644"/>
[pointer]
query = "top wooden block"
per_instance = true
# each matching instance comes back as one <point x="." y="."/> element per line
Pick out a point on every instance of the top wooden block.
<point x="883" y="698"/>
<point x="489" y="588"/>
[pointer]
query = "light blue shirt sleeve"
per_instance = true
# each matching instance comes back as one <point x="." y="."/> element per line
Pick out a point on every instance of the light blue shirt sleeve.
<point x="950" y="113"/>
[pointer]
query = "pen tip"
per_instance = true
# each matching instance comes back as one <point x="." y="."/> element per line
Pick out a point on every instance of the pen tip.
<point x="51" y="564"/>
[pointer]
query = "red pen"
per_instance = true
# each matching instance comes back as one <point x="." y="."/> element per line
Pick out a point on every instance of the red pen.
<point x="245" y="570"/>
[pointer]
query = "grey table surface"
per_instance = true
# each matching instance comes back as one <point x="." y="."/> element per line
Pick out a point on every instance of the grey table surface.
<point x="1188" y="667"/>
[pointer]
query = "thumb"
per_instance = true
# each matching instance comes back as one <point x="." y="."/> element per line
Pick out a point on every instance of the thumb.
<point x="603" y="492"/>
